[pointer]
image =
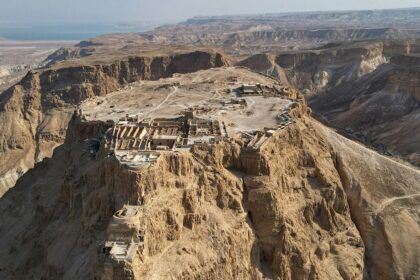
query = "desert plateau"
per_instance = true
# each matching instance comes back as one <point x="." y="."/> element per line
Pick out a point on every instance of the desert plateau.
<point x="246" y="146"/>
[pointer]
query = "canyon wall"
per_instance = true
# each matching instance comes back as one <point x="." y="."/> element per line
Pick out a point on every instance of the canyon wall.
<point x="318" y="70"/>
<point x="368" y="90"/>
<point x="381" y="109"/>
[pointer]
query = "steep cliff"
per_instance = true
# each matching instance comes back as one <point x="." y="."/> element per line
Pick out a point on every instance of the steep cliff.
<point x="384" y="207"/>
<point x="299" y="207"/>
<point x="368" y="90"/>
<point x="265" y="63"/>
<point x="279" y="213"/>
<point x="35" y="112"/>
<point x="291" y="211"/>
<point x="317" y="71"/>
<point x="381" y="108"/>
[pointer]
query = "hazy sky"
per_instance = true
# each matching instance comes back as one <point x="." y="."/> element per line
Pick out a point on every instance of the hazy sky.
<point x="112" y="11"/>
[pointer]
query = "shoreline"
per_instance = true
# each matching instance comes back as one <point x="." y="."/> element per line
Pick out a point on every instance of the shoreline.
<point x="7" y="42"/>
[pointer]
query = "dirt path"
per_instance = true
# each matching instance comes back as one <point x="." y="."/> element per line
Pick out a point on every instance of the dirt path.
<point x="389" y="201"/>
<point x="175" y="90"/>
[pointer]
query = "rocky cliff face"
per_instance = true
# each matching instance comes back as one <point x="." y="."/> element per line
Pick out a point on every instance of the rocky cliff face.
<point x="366" y="89"/>
<point x="68" y="53"/>
<point x="35" y="112"/>
<point x="272" y="40"/>
<point x="383" y="208"/>
<point x="279" y="213"/>
<point x="266" y="64"/>
<point x="320" y="70"/>
<point x="290" y="211"/>
<point x="299" y="207"/>
<point x="382" y="109"/>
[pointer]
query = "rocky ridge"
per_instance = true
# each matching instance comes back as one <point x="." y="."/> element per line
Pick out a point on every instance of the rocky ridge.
<point x="185" y="201"/>
<point x="300" y="207"/>
<point x="365" y="89"/>
<point x="308" y="204"/>
<point x="34" y="113"/>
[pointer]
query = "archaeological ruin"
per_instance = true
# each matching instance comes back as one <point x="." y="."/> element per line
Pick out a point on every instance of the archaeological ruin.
<point x="262" y="90"/>
<point x="125" y="240"/>
<point x="138" y="141"/>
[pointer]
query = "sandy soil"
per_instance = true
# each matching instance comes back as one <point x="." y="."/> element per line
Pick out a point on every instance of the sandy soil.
<point x="170" y="97"/>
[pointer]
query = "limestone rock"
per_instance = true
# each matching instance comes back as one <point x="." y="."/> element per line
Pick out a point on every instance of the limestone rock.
<point x="35" y="112"/>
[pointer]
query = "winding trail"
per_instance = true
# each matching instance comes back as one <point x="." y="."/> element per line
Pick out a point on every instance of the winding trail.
<point x="389" y="201"/>
<point x="175" y="90"/>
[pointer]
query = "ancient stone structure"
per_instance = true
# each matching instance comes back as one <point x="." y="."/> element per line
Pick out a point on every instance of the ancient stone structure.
<point x="263" y="90"/>
<point x="140" y="142"/>
<point x="274" y="199"/>
<point x="137" y="141"/>
<point x="125" y="241"/>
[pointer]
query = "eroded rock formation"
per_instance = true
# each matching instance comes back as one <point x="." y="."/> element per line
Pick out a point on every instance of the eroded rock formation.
<point x="368" y="90"/>
<point x="305" y="204"/>
<point x="35" y="112"/>
<point x="281" y="212"/>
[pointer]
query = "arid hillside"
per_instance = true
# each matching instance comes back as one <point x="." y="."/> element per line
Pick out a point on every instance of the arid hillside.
<point x="348" y="64"/>
<point x="17" y="58"/>
<point x="34" y="113"/>
<point x="384" y="207"/>
<point x="291" y="202"/>
<point x="277" y="146"/>
<point x="367" y="90"/>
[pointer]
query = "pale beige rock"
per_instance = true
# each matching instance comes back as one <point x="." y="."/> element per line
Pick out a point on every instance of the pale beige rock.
<point x="34" y="113"/>
<point x="287" y="211"/>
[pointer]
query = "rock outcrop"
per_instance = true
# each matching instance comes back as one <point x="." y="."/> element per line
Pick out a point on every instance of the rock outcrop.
<point x="265" y="64"/>
<point x="318" y="70"/>
<point x="282" y="214"/>
<point x="384" y="208"/>
<point x="381" y="108"/>
<point x="34" y="113"/>
<point x="299" y="207"/>
<point x="368" y="90"/>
